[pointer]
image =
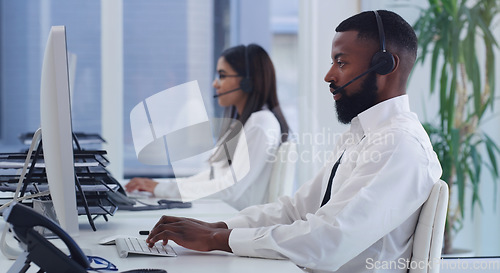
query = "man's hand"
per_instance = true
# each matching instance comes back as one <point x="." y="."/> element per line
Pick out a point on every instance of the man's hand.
<point x="141" y="184"/>
<point x="191" y="233"/>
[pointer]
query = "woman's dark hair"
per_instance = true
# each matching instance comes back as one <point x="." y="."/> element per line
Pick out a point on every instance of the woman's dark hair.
<point x="263" y="88"/>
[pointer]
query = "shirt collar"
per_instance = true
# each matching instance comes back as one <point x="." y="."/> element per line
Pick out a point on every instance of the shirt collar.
<point x="373" y="118"/>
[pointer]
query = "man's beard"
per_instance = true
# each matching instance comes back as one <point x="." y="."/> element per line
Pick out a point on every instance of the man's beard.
<point x="349" y="106"/>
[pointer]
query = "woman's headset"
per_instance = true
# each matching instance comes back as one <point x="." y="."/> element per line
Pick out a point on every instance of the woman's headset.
<point x="246" y="82"/>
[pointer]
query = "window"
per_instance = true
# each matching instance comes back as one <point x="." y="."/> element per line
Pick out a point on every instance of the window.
<point x="24" y="32"/>
<point x="165" y="43"/>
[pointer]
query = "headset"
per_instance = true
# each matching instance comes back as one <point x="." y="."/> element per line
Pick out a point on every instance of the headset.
<point x="246" y="82"/>
<point x="382" y="62"/>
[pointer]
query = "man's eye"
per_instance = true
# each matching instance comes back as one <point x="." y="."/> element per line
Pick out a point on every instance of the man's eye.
<point x="222" y="76"/>
<point x="340" y="63"/>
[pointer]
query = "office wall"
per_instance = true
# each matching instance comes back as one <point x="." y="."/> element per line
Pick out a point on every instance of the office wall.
<point x="318" y="125"/>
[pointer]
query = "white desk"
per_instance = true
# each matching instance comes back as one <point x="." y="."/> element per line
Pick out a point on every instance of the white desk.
<point x="130" y="222"/>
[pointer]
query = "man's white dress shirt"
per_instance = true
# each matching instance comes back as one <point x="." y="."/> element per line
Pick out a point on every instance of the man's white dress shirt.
<point x="385" y="175"/>
<point x="262" y="134"/>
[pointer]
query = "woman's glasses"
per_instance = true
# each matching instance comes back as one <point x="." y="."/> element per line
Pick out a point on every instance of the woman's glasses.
<point x="219" y="77"/>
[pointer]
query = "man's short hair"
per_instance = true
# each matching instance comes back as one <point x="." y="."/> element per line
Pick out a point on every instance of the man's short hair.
<point x="399" y="35"/>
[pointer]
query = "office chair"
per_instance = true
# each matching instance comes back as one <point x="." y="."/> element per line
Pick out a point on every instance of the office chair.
<point x="429" y="232"/>
<point x="282" y="173"/>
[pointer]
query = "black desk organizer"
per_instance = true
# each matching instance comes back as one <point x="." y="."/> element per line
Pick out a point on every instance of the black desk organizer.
<point x="93" y="183"/>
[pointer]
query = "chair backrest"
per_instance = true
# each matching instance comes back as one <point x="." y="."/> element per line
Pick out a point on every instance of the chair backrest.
<point x="282" y="173"/>
<point x="429" y="232"/>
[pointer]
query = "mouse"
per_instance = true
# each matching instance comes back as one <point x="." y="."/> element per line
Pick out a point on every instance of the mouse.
<point x="110" y="239"/>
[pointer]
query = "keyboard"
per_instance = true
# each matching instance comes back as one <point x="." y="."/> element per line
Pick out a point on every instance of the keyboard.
<point x="132" y="245"/>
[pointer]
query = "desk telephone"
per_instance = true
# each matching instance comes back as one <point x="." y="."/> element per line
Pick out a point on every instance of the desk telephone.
<point x="40" y="251"/>
<point x="37" y="248"/>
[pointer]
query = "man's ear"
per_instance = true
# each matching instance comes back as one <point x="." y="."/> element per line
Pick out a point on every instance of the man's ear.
<point x="396" y="63"/>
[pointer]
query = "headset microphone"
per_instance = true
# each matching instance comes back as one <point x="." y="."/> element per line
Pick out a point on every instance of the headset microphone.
<point x="381" y="63"/>
<point x="227" y="92"/>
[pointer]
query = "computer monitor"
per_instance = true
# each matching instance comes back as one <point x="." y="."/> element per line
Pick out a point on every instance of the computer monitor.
<point x="57" y="141"/>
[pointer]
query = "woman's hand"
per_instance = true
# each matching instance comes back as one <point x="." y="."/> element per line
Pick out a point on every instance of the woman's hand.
<point x="141" y="184"/>
<point x="191" y="233"/>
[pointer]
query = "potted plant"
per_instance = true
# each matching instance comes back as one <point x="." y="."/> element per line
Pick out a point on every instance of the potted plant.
<point x="456" y="35"/>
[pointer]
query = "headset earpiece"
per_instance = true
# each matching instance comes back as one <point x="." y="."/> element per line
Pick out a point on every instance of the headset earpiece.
<point x="382" y="56"/>
<point x="385" y="57"/>
<point x="246" y="83"/>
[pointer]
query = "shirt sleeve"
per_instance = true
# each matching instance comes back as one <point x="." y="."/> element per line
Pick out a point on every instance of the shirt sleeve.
<point x="167" y="188"/>
<point x="377" y="197"/>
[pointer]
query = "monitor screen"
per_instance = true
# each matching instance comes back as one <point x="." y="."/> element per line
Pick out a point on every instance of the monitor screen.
<point x="55" y="115"/>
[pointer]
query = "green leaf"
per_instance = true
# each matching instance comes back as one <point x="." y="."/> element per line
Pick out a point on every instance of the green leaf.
<point x="486" y="31"/>
<point x="461" y="188"/>
<point x="474" y="177"/>
<point x="491" y="148"/>
<point x="435" y="56"/>
<point x="490" y="71"/>
<point x="435" y="6"/>
<point x="449" y="6"/>
<point x="443" y="97"/>
<point x="475" y="77"/>
<point x="451" y="101"/>
<point x="492" y="143"/>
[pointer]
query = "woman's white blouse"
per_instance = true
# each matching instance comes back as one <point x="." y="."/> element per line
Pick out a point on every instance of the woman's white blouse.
<point x="262" y="136"/>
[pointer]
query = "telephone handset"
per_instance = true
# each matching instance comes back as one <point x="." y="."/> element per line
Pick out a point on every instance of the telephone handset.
<point x="39" y="250"/>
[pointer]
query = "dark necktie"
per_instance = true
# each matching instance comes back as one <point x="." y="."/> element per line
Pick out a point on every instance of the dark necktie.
<point x="328" y="192"/>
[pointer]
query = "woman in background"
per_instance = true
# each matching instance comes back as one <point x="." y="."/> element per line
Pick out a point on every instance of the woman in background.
<point x="246" y="86"/>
